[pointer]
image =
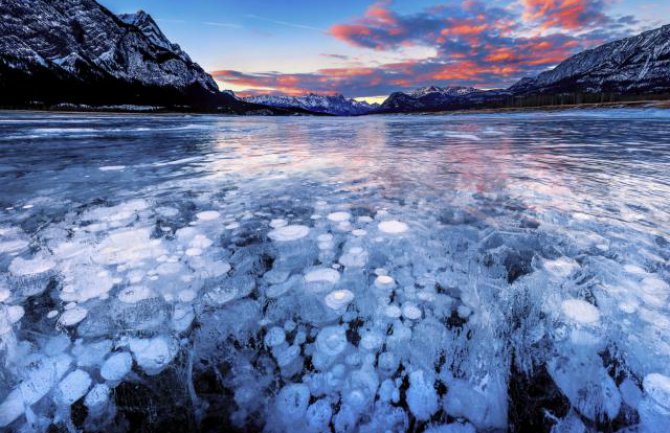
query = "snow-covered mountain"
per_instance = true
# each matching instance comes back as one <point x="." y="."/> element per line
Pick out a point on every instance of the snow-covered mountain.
<point x="635" y="67"/>
<point x="329" y="104"/>
<point x="433" y="98"/>
<point x="639" y="64"/>
<point x="77" y="51"/>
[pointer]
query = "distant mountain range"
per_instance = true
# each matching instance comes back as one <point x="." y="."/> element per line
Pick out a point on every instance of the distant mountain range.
<point x="336" y="104"/>
<point x="633" y="68"/>
<point x="76" y="53"/>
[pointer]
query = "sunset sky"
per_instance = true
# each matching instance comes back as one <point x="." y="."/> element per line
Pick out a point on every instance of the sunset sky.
<point x="367" y="49"/>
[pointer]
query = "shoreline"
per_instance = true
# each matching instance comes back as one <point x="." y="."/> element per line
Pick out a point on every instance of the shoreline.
<point x="642" y="104"/>
<point x="651" y="103"/>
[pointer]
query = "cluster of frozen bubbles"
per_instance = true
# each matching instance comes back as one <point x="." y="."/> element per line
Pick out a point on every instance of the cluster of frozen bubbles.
<point x="335" y="321"/>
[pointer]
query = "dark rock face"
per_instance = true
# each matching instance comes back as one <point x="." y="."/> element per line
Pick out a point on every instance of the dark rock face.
<point x="78" y="52"/>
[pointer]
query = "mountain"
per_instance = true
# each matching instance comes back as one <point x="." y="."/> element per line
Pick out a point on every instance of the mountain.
<point x="337" y="104"/>
<point x="435" y="98"/>
<point x="634" y="68"/>
<point x="78" y="52"/>
<point x="635" y="65"/>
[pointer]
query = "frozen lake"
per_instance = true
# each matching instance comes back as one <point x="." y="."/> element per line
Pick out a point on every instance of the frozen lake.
<point x="447" y="274"/>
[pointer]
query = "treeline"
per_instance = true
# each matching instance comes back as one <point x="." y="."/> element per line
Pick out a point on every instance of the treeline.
<point x="573" y="98"/>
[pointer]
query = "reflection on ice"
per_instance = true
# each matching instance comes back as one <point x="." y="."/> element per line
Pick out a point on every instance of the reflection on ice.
<point x="439" y="274"/>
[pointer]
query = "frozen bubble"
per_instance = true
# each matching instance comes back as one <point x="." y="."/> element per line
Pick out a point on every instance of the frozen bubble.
<point x="359" y="232"/>
<point x="289" y="233"/>
<point x="634" y="269"/>
<point x="186" y="295"/>
<point x="318" y="416"/>
<point x="98" y="397"/>
<point x="128" y="246"/>
<point x="463" y="311"/>
<point x="292" y="402"/>
<point x="322" y="275"/>
<point x="275" y="337"/>
<point x="86" y="282"/>
<point x="331" y="341"/>
<point x="365" y="219"/>
<point x="167" y="211"/>
<point x="655" y="286"/>
<point x="344" y="226"/>
<point x="277" y="223"/>
<point x="455" y="427"/>
<point x="233" y="226"/>
<point x="221" y="295"/>
<point x="37" y="265"/>
<point x="657" y="386"/>
<point x="339" y="299"/>
<point x="73" y="316"/>
<point x="15" y="313"/>
<point x="112" y="167"/>
<point x="372" y="340"/>
<point x="182" y="317"/>
<point x="580" y="311"/>
<point x="12" y="407"/>
<point x="561" y="267"/>
<point x="393" y="227"/>
<point x="411" y="311"/>
<point x="422" y="398"/>
<point x="393" y="311"/>
<point x="51" y="314"/>
<point x="326" y="237"/>
<point x="208" y="215"/>
<point x="13" y="245"/>
<point x="4" y="294"/>
<point x="384" y="282"/>
<point x="116" y="366"/>
<point x="201" y="241"/>
<point x="356" y="257"/>
<point x="135" y="294"/>
<point x="339" y="216"/>
<point x="153" y="354"/>
<point x="74" y="386"/>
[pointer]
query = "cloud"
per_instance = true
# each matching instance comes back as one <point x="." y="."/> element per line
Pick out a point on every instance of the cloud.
<point x="565" y="14"/>
<point x="284" y="23"/>
<point x="473" y="44"/>
<point x="218" y="24"/>
<point x="335" y="56"/>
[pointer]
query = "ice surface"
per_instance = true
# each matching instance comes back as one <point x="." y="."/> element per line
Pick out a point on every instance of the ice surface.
<point x="360" y="286"/>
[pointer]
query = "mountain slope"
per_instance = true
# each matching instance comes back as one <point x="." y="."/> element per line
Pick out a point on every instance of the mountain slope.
<point x="77" y="51"/>
<point x="337" y="104"/>
<point x="435" y="98"/>
<point x="629" y="69"/>
<point x="639" y="64"/>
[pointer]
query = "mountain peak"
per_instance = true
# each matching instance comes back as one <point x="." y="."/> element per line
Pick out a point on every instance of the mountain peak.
<point x="336" y="104"/>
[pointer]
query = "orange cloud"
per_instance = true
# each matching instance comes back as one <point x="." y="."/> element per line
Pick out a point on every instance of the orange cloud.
<point x="567" y="14"/>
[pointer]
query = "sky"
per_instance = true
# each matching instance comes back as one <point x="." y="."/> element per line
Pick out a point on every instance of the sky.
<point x="368" y="49"/>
